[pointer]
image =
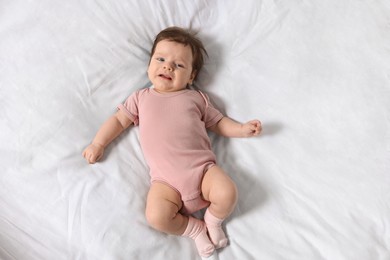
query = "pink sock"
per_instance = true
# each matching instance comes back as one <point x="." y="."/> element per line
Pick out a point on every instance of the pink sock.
<point x="196" y="229"/>
<point x="214" y="226"/>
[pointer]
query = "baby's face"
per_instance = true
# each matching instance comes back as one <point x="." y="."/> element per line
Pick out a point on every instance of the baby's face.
<point x="170" y="67"/>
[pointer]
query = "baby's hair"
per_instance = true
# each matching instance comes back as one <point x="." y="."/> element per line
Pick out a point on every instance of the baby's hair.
<point x="185" y="37"/>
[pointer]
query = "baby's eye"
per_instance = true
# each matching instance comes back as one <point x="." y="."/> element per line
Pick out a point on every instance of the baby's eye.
<point x="160" y="59"/>
<point x="179" y="65"/>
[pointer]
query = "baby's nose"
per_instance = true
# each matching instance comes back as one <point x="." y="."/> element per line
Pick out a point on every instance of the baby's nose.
<point x="168" y="67"/>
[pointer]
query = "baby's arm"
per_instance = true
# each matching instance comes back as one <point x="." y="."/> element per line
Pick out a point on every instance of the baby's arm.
<point x="230" y="128"/>
<point x="113" y="127"/>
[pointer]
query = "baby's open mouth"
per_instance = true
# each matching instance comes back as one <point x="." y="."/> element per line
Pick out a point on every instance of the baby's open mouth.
<point x="165" y="77"/>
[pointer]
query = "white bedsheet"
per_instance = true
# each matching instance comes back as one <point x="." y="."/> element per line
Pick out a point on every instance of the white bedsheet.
<point x="315" y="185"/>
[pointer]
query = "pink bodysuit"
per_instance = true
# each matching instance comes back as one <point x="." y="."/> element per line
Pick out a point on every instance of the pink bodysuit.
<point x="174" y="139"/>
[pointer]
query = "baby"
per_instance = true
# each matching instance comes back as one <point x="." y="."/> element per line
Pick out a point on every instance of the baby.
<point x="173" y="121"/>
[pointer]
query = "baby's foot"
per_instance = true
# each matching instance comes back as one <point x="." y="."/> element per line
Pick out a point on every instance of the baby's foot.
<point x="196" y="229"/>
<point x="214" y="226"/>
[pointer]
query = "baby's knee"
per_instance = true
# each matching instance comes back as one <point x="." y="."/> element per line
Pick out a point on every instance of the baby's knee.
<point x="158" y="219"/>
<point x="154" y="219"/>
<point x="231" y="193"/>
<point x="227" y="196"/>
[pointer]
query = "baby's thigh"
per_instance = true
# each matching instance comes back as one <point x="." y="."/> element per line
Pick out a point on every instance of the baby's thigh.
<point x="162" y="201"/>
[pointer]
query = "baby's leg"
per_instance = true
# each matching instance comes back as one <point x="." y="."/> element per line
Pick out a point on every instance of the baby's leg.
<point x="162" y="213"/>
<point x="162" y="207"/>
<point x="220" y="190"/>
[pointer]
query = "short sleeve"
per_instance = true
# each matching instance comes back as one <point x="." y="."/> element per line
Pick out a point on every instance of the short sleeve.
<point x="130" y="107"/>
<point x="211" y="114"/>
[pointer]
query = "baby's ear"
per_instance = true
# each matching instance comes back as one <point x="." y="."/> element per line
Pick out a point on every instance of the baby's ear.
<point x="193" y="75"/>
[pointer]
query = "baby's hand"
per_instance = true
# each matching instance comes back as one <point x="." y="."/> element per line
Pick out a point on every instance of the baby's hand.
<point x="93" y="153"/>
<point x="251" y="128"/>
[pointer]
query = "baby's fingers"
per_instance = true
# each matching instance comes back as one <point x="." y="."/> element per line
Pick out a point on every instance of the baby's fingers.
<point x="93" y="158"/>
<point x="89" y="157"/>
<point x="86" y="155"/>
<point x="98" y="157"/>
<point x="255" y="126"/>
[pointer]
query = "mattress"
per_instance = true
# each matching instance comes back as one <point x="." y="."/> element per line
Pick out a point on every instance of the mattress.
<point x="314" y="185"/>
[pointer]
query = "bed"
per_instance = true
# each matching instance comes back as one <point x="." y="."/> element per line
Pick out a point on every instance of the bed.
<point x="314" y="185"/>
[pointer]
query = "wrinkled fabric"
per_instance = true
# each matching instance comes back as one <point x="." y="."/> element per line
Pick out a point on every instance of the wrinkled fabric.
<point x="314" y="185"/>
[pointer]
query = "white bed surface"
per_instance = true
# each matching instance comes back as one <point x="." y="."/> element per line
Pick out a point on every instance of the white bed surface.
<point x="314" y="185"/>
